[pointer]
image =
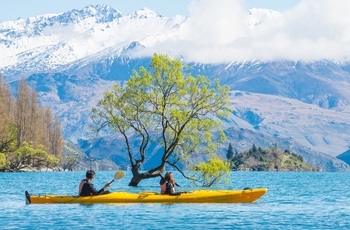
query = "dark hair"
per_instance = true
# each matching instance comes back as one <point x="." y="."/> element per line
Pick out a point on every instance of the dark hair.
<point x="163" y="179"/>
<point x="169" y="177"/>
<point x="90" y="174"/>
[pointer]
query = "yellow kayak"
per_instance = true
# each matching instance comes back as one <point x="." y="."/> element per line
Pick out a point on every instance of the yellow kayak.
<point x="198" y="196"/>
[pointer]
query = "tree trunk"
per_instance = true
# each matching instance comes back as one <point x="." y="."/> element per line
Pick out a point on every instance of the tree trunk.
<point x="135" y="180"/>
<point x="137" y="177"/>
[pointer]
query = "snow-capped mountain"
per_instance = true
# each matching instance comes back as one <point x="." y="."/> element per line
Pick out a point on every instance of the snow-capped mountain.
<point x="55" y="42"/>
<point x="73" y="57"/>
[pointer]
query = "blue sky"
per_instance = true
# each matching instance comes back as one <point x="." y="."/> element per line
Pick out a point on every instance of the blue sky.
<point x="13" y="9"/>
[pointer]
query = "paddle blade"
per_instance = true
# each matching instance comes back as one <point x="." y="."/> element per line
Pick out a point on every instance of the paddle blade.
<point x="118" y="175"/>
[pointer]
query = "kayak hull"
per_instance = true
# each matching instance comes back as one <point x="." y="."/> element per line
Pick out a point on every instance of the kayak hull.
<point x="198" y="196"/>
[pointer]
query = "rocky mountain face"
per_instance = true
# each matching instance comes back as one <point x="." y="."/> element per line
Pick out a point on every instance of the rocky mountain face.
<point x="72" y="58"/>
<point x="84" y="162"/>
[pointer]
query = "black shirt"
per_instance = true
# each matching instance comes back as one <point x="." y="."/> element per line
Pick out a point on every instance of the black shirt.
<point x="170" y="189"/>
<point x="90" y="190"/>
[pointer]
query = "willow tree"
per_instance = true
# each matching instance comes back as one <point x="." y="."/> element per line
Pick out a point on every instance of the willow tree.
<point x="166" y="105"/>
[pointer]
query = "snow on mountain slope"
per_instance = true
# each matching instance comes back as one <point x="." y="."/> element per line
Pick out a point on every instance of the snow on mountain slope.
<point x="49" y="42"/>
<point x="23" y="35"/>
<point x="260" y="18"/>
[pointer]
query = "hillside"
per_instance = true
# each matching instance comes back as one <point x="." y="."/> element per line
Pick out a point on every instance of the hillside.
<point x="270" y="159"/>
<point x="84" y="162"/>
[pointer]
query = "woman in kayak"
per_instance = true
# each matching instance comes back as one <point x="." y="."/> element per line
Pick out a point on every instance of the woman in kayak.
<point x="170" y="184"/>
<point x="86" y="188"/>
<point x="162" y="183"/>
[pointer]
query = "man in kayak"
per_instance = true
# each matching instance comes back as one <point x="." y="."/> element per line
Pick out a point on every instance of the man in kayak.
<point x="86" y="188"/>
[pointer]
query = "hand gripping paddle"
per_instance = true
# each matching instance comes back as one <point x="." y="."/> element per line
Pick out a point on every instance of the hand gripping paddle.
<point x="118" y="175"/>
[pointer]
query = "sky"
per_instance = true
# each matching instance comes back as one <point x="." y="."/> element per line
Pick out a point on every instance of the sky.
<point x="13" y="9"/>
<point x="222" y="31"/>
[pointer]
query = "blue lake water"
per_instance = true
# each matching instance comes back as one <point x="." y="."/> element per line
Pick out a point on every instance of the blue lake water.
<point x="308" y="200"/>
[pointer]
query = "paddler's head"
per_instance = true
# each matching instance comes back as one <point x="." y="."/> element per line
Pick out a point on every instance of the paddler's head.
<point x="90" y="175"/>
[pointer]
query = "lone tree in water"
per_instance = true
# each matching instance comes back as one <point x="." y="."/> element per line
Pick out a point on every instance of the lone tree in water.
<point x="167" y="106"/>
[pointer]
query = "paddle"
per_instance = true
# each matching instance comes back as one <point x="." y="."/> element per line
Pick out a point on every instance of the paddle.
<point x="118" y="175"/>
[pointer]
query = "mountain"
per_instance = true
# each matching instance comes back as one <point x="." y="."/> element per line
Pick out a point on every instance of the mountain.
<point x="73" y="57"/>
<point x="83" y="162"/>
<point x="53" y="43"/>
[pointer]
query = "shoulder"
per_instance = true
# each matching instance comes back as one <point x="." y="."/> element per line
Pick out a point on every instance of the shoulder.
<point x="87" y="183"/>
<point x="162" y="181"/>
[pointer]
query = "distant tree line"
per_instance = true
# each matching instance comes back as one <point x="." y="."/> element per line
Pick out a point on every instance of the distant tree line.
<point x="30" y="136"/>
<point x="268" y="159"/>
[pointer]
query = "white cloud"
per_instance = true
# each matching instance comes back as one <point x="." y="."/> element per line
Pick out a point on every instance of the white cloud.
<point x="223" y="31"/>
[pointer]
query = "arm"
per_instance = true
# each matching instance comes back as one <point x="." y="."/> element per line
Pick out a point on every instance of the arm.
<point x="93" y="191"/>
<point x="89" y="189"/>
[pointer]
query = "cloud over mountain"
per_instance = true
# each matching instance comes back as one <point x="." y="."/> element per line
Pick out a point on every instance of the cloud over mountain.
<point x="222" y="31"/>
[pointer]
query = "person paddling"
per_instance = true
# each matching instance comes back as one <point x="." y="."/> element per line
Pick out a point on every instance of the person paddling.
<point x="86" y="188"/>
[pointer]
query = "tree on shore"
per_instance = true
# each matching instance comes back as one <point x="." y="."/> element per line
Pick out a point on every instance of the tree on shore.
<point x="7" y="110"/>
<point x="27" y="155"/>
<point x="230" y="153"/>
<point x="27" y="138"/>
<point x="169" y="107"/>
<point x="70" y="162"/>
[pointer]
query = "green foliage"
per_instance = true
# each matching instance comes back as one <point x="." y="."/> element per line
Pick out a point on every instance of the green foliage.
<point x="211" y="172"/>
<point x="70" y="162"/>
<point x="230" y="153"/>
<point x="26" y="156"/>
<point x="254" y="149"/>
<point x="165" y="105"/>
<point x="8" y="141"/>
<point x="2" y="161"/>
<point x="270" y="159"/>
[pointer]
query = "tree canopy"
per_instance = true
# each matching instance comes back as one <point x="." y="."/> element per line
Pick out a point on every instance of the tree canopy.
<point x="165" y="104"/>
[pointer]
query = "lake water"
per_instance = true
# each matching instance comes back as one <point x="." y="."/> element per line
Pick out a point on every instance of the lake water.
<point x="308" y="200"/>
